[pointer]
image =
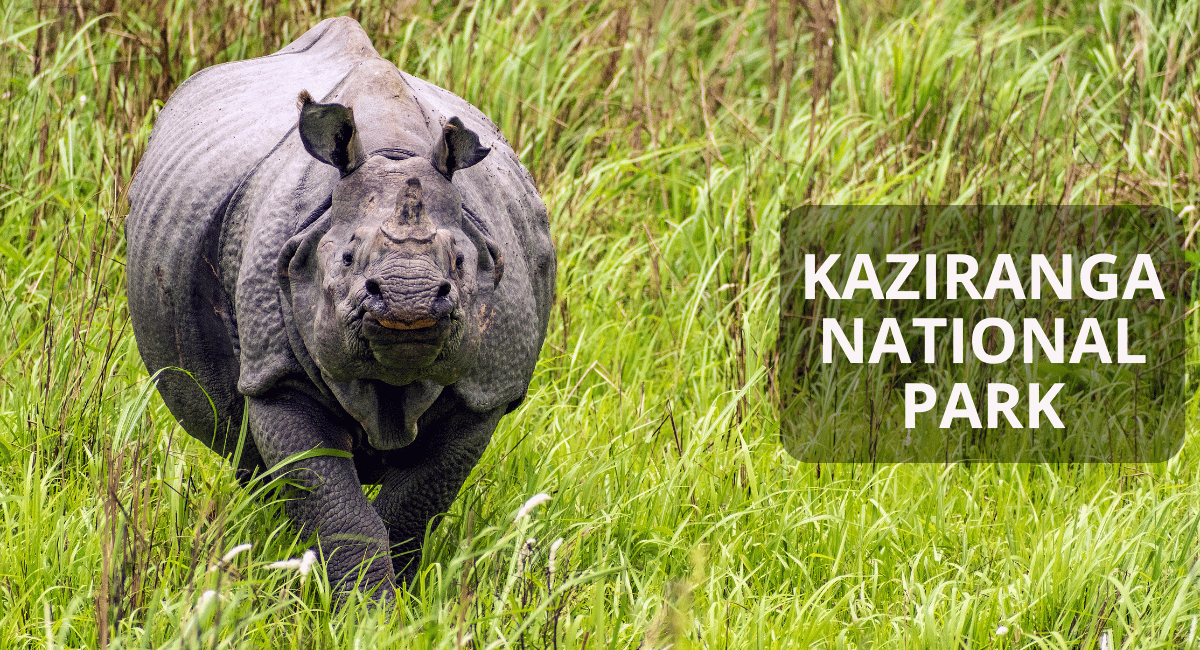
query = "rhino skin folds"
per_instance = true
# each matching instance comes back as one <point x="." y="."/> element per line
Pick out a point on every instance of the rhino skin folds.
<point x="358" y="258"/>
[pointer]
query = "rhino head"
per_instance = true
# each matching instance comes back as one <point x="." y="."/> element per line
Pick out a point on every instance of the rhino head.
<point x="389" y="289"/>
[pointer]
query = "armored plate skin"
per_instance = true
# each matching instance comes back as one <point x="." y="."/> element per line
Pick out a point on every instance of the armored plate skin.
<point x="357" y="257"/>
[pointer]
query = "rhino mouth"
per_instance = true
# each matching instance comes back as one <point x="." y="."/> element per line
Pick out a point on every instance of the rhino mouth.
<point x="381" y="329"/>
<point x="419" y="324"/>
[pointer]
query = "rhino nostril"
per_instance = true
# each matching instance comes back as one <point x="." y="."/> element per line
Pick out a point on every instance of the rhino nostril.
<point x="443" y="290"/>
<point x="373" y="287"/>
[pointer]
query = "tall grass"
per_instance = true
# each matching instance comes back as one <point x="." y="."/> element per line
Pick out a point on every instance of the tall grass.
<point x="668" y="138"/>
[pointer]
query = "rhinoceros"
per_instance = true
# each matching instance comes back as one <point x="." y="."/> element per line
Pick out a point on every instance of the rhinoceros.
<point x="354" y="260"/>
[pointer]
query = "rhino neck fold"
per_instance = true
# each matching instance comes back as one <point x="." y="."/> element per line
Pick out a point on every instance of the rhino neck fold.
<point x="388" y="414"/>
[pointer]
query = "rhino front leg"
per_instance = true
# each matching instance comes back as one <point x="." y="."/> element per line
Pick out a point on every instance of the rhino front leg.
<point x="329" y="500"/>
<point x="410" y="496"/>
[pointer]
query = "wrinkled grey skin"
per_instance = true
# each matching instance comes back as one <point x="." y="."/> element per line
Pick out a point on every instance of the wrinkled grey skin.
<point x="370" y="271"/>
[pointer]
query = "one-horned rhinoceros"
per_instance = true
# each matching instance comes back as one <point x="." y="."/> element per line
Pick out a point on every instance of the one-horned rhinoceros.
<point x="368" y="274"/>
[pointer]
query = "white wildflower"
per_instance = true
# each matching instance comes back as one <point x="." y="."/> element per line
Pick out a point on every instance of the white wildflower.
<point x="550" y="563"/>
<point x="533" y="502"/>
<point x="202" y="610"/>
<point x="228" y="557"/>
<point x="1002" y="630"/>
<point x="233" y="552"/>
<point x="1106" y="640"/>
<point x="307" y="561"/>
<point x="206" y="598"/>
<point x="303" y="563"/>
<point x="525" y="554"/>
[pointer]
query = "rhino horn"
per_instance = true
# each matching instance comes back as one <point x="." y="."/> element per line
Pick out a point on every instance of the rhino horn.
<point x="409" y="207"/>
<point x="329" y="134"/>
<point x="458" y="148"/>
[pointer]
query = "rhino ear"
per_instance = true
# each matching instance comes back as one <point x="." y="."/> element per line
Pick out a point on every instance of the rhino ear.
<point x="457" y="149"/>
<point x="328" y="133"/>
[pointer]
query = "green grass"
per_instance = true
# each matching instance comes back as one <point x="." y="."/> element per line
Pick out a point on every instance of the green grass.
<point x="667" y="139"/>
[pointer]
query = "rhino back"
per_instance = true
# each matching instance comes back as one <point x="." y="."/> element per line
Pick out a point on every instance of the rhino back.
<point x="223" y="120"/>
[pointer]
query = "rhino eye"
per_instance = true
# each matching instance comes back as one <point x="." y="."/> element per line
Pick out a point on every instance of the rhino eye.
<point x="347" y="258"/>
<point x="458" y="261"/>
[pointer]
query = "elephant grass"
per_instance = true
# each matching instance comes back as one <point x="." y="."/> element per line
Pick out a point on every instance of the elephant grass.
<point x="667" y="139"/>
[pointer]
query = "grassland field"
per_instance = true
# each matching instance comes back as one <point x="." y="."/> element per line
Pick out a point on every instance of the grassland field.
<point x="668" y="140"/>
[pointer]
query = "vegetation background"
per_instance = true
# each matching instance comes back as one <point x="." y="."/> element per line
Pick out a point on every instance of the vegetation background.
<point x="667" y="138"/>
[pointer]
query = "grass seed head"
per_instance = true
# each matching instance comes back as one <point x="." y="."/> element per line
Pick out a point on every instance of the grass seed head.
<point x="533" y="502"/>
